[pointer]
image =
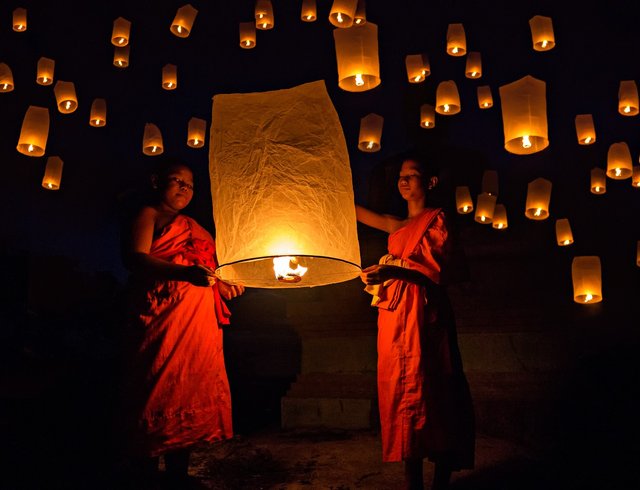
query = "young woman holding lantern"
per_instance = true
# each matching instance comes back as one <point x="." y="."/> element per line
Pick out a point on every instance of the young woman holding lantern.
<point x="424" y="400"/>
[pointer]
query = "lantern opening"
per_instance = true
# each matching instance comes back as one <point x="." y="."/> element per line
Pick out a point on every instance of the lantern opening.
<point x="288" y="269"/>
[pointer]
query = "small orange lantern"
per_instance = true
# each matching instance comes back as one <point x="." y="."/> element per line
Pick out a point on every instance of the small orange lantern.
<point x="619" y="166"/>
<point x="98" y="116"/>
<point x="538" y="197"/>
<point x="360" y="16"/>
<point x="542" y="33"/>
<point x="264" y="15"/>
<point x="474" y="65"/>
<point x="169" y="77"/>
<point x="247" y="35"/>
<point x="34" y="132"/>
<point x="20" y="20"/>
<point x="66" y="99"/>
<point x="598" y="181"/>
<point x="370" y="133"/>
<point x="46" y="67"/>
<point x="357" y="57"/>
<point x="586" y="274"/>
<point x="564" y="236"/>
<point x="628" y="98"/>
<point x="447" y="98"/>
<point x="500" y="221"/>
<point x="52" y="174"/>
<point x="121" y="32"/>
<point x="121" y="57"/>
<point x="152" y="140"/>
<point x="485" y="99"/>
<point x="309" y="11"/>
<point x="464" y="204"/>
<point x="6" y="78"/>
<point x="638" y="254"/>
<point x="417" y="67"/>
<point x="456" y="40"/>
<point x="486" y="205"/>
<point x="196" y="132"/>
<point x="635" y="176"/>
<point x="343" y="12"/>
<point x="427" y="116"/>
<point x="183" y="21"/>
<point x="490" y="182"/>
<point x="585" y="130"/>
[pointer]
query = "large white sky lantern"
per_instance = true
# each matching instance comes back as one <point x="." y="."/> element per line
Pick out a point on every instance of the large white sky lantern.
<point x="282" y="189"/>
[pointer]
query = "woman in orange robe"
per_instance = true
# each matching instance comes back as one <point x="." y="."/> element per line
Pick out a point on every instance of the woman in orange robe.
<point x="177" y="389"/>
<point x="424" y="400"/>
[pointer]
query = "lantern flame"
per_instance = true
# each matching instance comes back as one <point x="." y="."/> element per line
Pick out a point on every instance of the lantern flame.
<point x="418" y="78"/>
<point x="264" y="26"/>
<point x="247" y="43"/>
<point x="486" y="104"/>
<point x="358" y="21"/>
<point x="260" y="16"/>
<point x="626" y="109"/>
<point x="45" y="79"/>
<point x="5" y="86"/>
<point x="454" y="50"/>
<point x="446" y="108"/>
<point x="544" y="43"/>
<point x="500" y="225"/>
<point x="98" y="122"/>
<point x="119" y="62"/>
<point x="339" y="18"/>
<point x="618" y="172"/>
<point x="588" y="297"/>
<point x="370" y="145"/>
<point x="483" y="218"/>
<point x="538" y="212"/>
<point x="427" y="124"/>
<point x="526" y="142"/>
<point x="20" y="27"/>
<point x="566" y="242"/>
<point x="309" y="17"/>
<point x="587" y="140"/>
<point x="288" y="269"/>
<point x="30" y="149"/>
<point x="120" y="40"/>
<point x="179" y="29"/>
<point x="465" y="208"/>
<point x="359" y="80"/>
<point x="170" y="84"/>
<point x="597" y="189"/>
<point x="67" y="104"/>
<point x="154" y="149"/>
<point x="474" y="74"/>
<point x="49" y="185"/>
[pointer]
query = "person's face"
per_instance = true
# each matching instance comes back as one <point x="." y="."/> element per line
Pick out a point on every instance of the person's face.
<point x="177" y="188"/>
<point x="410" y="181"/>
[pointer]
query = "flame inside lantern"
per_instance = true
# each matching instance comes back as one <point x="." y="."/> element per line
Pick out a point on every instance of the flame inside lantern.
<point x="288" y="269"/>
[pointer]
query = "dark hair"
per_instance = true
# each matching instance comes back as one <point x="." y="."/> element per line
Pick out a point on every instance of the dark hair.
<point x="429" y="169"/>
<point x="163" y="166"/>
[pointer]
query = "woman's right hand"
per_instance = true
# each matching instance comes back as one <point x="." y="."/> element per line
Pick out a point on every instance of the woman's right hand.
<point x="199" y="275"/>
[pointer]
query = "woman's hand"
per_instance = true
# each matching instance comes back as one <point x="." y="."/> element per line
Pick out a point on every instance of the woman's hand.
<point x="230" y="291"/>
<point x="377" y="274"/>
<point x="199" y="275"/>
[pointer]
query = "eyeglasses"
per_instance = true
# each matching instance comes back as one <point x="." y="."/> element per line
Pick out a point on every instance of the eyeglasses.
<point x="407" y="178"/>
<point x="181" y="183"/>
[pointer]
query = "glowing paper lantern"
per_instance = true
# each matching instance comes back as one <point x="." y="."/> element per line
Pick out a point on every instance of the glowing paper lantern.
<point x="343" y="12"/>
<point x="464" y="204"/>
<point x="196" y="132"/>
<point x="587" y="279"/>
<point x="500" y="221"/>
<point x="474" y="65"/>
<point x="308" y="12"/>
<point x="447" y="98"/>
<point x="357" y="57"/>
<point x="427" y="116"/>
<point x="619" y="166"/>
<point x="524" y="116"/>
<point x="417" y="67"/>
<point x="98" y="116"/>
<point x="247" y="35"/>
<point x="542" y="33"/>
<point x="121" y="57"/>
<point x="44" y="75"/>
<point x="538" y="197"/>
<point x="264" y="15"/>
<point x="598" y="181"/>
<point x="66" y="99"/>
<point x="628" y="98"/>
<point x="152" y="140"/>
<point x="169" y="77"/>
<point x="456" y="40"/>
<point x="585" y="131"/>
<point x="490" y="182"/>
<point x="6" y="78"/>
<point x="183" y="21"/>
<point x="360" y="16"/>
<point x="485" y="99"/>
<point x="635" y="176"/>
<point x="121" y="32"/>
<point x="370" y="133"/>
<point x="564" y="236"/>
<point x="638" y="254"/>
<point x="485" y="207"/>
<point x="34" y="132"/>
<point x="20" y="20"/>
<point x="52" y="174"/>
<point x="297" y="206"/>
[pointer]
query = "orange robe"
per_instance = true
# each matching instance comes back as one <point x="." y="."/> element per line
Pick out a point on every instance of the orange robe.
<point x="424" y="400"/>
<point x="178" y="392"/>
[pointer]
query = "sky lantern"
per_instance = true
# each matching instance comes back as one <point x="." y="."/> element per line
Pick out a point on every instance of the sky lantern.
<point x="538" y="197"/>
<point x="66" y="98"/>
<point x="524" y="116"/>
<point x="360" y="17"/>
<point x="6" y="78"/>
<point x="196" y="132"/>
<point x="474" y="65"/>
<point x="343" y="12"/>
<point x="586" y="274"/>
<point x="52" y="174"/>
<point x="247" y="35"/>
<point x="635" y="176"/>
<point x="456" y="40"/>
<point x="169" y="77"/>
<point x="485" y="99"/>
<point x="542" y="33"/>
<point x="292" y="223"/>
<point x="638" y="254"/>
<point x="20" y="20"/>
<point x="447" y="98"/>
<point x="598" y="181"/>
<point x="564" y="236"/>
<point x="264" y="15"/>
<point x="121" y="56"/>
<point x="121" y="32"/>
<point x="308" y="11"/>
<point x="98" y="115"/>
<point x="357" y="57"/>
<point x="370" y="133"/>
<point x="152" y="140"/>
<point x="34" y="132"/>
<point x="45" y="70"/>
<point x="628" y="98"/>
<point x="464" y="203"/>
<point x="490" y="182"/>
<point x="427" y="116"/>
<point x="585" y="130"/>
<point x="500" y="221"/>
<point x="418" y="68"/>
<point x="619" y="166"/>
<point x="183" y="21"/>
<point x="485" y="207"/>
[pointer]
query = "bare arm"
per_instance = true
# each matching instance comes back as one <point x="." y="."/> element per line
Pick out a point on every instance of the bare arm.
<point x="379" y="221"/>
<point x="378" y="273"/>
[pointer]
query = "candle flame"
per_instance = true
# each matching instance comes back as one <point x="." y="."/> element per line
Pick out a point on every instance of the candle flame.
<point x="500" y="225"/>
<point x="483" y="218"/>
<point x="358" y="21"/>
<point x="359" y="80"/>
<point x="196" y="141"/>
<point x="465" y="208"/>
<point x="446" y="108"/>
<point x="119" y="62"/>
<point x="486" y="104"/>
<point x="45" y="79"/>
<point x="566" y="242"/>
<point x="98" y="122"/>
<point x="154" y="149"/>
<point x="170" y="84"/>
<point x="120" y="40"/>
<point x="474" y="74"/>
<point x="67" y="105"/>
<point x="538" y="212"/>
<point x="418" y="78"/>
<point x="5" y="86"/>
<point x="618" y="172"/>
<point x="179" y="29"/>
<point x="30" y="149"/>
<point x="454" y="50"/>
<point x="370" y="145"/>
<point x="424" y="72"/>
<point x="309" y="17"/>
<point x="544" y="43"/>
<point x="20" y="27"/>
<point x="588" y="297"/>
<point x="247" y="43"/>
<point x="526" y="142"/>
<point x="587" y="140"/>
<point x="597" y="188"/>
<point x="264" y="26"/>
<point x="288" y="269"/>
<point x="49" y="185"/>
<point x="339" y="18"/>
<point x="260" y="16"/>
<point x="427" y="124"/>
<point x="627" y="109"/>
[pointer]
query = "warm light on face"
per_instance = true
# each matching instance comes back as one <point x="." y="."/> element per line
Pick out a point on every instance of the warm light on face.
<point x="526" y="142"/>
<point x="288" y="269"/>
<point x="359" y="80"/>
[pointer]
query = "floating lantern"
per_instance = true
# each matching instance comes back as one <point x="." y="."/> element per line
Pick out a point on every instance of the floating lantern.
<point x="464" y="204"/>
<point x="309" y="11"/>
<point x="360" y="16"/>
<point x="121" y="32"/>
<point x="34" y="132"/>
<point x="587" y="279"/>
<point x="485" y="99"/>
<point x="619" y="166"/>
<point x="638" y="254"/>
<point x="447" y="98"/>
<point x="628" y="98"/>
<point x="121" y="57"/>
<point x="98" y="116"/>
<point x="542" y="33"/>
<point x="598" y="181"/>
<point x="6" y="78"/>
<point x="44" y="75"/>
<point x="370" y="133"/>
<point x="500" y="221"/>
<point x="169" y="77"/>
<point x="417" y="67"/>
<point x="564" y="236"/>
<point x="524" y="116"/>
<point x="456" y="40"/>
<point x="490" y="182"/>
<point x="152" y="140"/>
<point x="183" y="21"/>
<point x="474" y="65"/>
<point x="20" y="20"/>
<point x="485" y="207"/>
<point x="298" y="205"/>
<point x="196" y="132"/>
<point x="343" y="12"/>
<point x="357" y="57"/>
<point x="635" y="176"/>
<point x="52" y="174"/>
<point x="66" y="99"/>
<point x="264" y="15"/>
<point x="247" y="35"/>
<point x="538" y="197"/>
<point x="585" y="130"/>
<point x="427" y="116"/>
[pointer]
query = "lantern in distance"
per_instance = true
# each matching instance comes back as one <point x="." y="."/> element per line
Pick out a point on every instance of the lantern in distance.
<point x="247" y="35"/>
<point x="542" y="33"/>
<point x="538" y="197"/>
<point x="456" y="40"/>
<point x="121" y="57"/>
<point x="638" y="254"/>
<point x="474" y="65"/>
<point x="427" y="116"/>
<point x="619" y="166"/>
<point x="152" y="140"/>
<point x="52" y="174"/>
<point x="264" y="15"/>
<point x="98" y="116"/>
<point x="370" y="133"/>
<point x="490" y="182"/>
<point x="585" y="131"/>
<point x="357" y="57"/>
<point x="464" y="204"/>
<point x="524" y="116"/>
<point x="196" y="132"/>
<point x="6" y="78"/>
<point x="635" y="176"/>
<point x="500" y="221"/>
<point x="45" y="70"/>
<point x="598" y="181"/>
<point x="343" y="12"/>
<point x="628" y="98"/>
<point x="586" y="274"/>
<point x="564" y="236"/>
<point x="447" y="98"/>
<point x="183" y="21"/>
<point x="417" y="67"/>
<point x="121" y="32"/>
<point x="20" y="20"/>
<point x="485" y="99"/>
<point x="169" y="77"/>
<point x="485" y="207"/>
<point x="66" y="99"/>
<point x="360" y="16"/>
<point x="34" y="132"/>
<point x="308" y="11"/>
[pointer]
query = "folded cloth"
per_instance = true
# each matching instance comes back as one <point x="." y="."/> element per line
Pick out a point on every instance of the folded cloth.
<point x="378" y="290"/>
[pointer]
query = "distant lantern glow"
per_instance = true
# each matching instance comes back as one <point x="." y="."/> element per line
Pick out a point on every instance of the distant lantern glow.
<point x="45" y="70"/>
<point x="98" y="116"/>
<point x="169" y="77"/>
<point x="183" y="21"/>
<point x="447" y="98"/>
<point x="6" y="78"/>
<point x="585" y="130"/>
<point x="538" y="197"/>
<point x="628" y="98"/>
<point x="456" y="40"/>
<point x="121" y="57"/>
<point x="464" y="204"/>
<point x="263" y="13"/>
<point x="66" y="98"/>
<point x="370" y="133"/>
<point x="586" y="275"/>
<point x="247" y="35"/>
<point x="343" y="13"/>
<point x="635" y="176"/>
<point x="619" y="166"/>
<point x="360" y="17"/>
<point x="357" y="57"/>
<point x="34" y="132"/>
<point x="542" y="33"/>
<point x="500" y="221"/>
<point x="485" y="208"/>
<point x="598" y="181"/>
<point x="418" y="68"/>
<point x="564" y="236"/>
<point x="474" y="65"/>
<point x="52" y="174"/>
<point x="427" y="116"/>
<point x="485" y="99"/>
<point x="196" y="132"/>
<point x="20" y="20"/>
<point x="152" y="140"/>
<point x="308" y="11"/>
<point x="490" y="182"/>
<point x="524" y="116"/>
<point x="121" y="32"/>
<point x="638" y="254"/>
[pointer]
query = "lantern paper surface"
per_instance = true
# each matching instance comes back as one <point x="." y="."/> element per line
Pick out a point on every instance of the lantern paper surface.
<point x="98" y="116"/>
<point x="121" y="31"/>
<point x="264" y="15"/>
<point x="598" y="181"/>
<point x="619" y="166"/>
<point x="418" y="67"/>
<point x="500" y="221"/>
<point x="45" y="70"/>
<point x="485" y="208"/>
<point x="282" y="187"/>
<point x="370" y="133"/>
<point x="587" y="279"/>
<point x="196" y="132"/>
<point x="542" y="33"/>
<point x="464" y="204"/>
<point x="456" y="40"/>
<point x="52" y="174"/>
<point x="357" y="57"/>
<point x="485" y="99"/>
<point x="152" y="140"/>
<point x="34" y="132"/>
<point x="427" y="116"/>
<point x="247" y="35"/>
<point x="183" y="21"/>
<point x="628" y="98"/>
<point x="121" y="56"/>
<point x="490" y="182"/>
<point x="66" y="99"/>
<point x="538" y="197"/>
<point x="20" y="20"/>
<point x="6" y="78"/>
<point x="474" y="65"/>
<point x="447" y="98"/>
<point x="585" y="130"/>
<point x="308" y="11"/>
<point x="343" y="12"/>
<point x="564" y="236"/>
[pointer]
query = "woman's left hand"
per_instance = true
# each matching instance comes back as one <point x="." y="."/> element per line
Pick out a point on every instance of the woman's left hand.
<point x="230" y="291"/>
<point x="376" y="274"/>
